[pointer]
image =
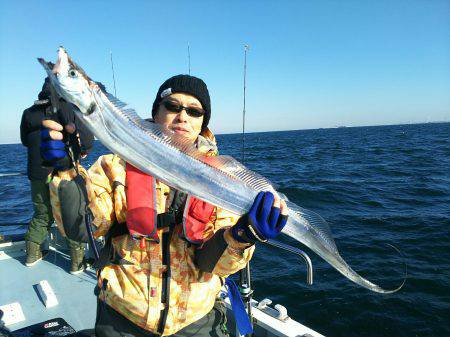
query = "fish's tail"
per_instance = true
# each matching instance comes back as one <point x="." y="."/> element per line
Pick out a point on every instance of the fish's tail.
<point x="339" y="264"/>
<point x="312" y="230"/>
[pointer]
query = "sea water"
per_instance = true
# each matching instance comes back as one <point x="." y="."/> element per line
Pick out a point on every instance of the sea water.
<point x="376" y="187"/>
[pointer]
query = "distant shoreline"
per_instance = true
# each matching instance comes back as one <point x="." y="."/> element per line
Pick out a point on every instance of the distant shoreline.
<point x="341" y="127"/>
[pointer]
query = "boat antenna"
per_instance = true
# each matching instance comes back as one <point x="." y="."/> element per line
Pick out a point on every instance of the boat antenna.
<point x="244" y="276"/>
<point x="113" y="75"/>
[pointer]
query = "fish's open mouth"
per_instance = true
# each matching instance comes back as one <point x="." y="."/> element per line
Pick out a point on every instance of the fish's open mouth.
<point x="61" y="54"/>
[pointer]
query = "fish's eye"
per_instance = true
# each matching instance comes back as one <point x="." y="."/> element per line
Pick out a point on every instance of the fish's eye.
<point x="72" y="72"/>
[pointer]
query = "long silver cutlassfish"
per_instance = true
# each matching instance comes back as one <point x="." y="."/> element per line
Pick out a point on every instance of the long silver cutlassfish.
<point x="220" y="180"/>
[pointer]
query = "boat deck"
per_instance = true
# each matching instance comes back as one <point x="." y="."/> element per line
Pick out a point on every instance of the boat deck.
<point x="76" y="299"/>
<point x="18" y="284"/>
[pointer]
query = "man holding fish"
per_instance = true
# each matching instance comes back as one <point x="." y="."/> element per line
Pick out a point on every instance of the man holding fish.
<point x="167" y="252"/>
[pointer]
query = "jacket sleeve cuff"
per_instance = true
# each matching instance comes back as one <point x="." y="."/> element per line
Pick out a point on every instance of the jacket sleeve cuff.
<point x="207" y="256"/>
<point x="233" y="243"/>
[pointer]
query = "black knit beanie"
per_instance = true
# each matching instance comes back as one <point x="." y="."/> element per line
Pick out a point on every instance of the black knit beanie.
<point x="189" y="85"/>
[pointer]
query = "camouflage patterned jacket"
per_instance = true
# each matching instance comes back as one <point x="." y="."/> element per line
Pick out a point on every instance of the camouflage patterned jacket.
<point x="134" y="287"/>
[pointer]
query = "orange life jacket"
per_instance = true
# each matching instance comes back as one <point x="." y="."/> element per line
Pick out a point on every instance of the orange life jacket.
<point x="142" y="217"/>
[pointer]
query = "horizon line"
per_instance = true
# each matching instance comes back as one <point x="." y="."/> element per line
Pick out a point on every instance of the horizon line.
<point x="320" y="128"/>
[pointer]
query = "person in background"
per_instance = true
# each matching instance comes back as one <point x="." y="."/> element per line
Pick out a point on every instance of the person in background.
<point x="167" y="253"/>
<point x="30" y="135"/>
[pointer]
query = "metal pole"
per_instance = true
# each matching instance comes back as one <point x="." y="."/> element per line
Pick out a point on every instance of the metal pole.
<point x="114" y="77"/>
<point x="299" y="252"/>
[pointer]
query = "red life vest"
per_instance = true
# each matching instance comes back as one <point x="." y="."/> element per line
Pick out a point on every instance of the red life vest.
<point x="142" y="209"/>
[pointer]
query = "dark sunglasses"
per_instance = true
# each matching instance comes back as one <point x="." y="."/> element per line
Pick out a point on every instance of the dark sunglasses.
<point x="176" y="107"/>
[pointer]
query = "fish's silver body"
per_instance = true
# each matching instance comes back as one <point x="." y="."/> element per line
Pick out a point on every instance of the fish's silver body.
<point x="221" y="181"/>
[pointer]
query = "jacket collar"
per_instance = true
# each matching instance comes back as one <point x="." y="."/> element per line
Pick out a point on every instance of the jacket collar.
<point x="208" y="146"/>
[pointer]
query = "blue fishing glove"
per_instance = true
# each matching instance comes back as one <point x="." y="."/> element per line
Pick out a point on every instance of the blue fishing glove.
<point x="263" y="222"/>
<point x="54" y="152"/>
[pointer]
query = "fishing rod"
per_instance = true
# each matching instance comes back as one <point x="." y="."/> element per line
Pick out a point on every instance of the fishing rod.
<point x="88" y="214"/>
<point x="246" y="48"/>
<point x="54" y="112"/>
<point x="189" y="58"/>
<point x="245" y="276"/>
<point x="113" y="74"/>
<point x="73" y="148"/>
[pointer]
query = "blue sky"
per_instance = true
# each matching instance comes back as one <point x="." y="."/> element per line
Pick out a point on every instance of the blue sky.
<point x="311" y="63"/>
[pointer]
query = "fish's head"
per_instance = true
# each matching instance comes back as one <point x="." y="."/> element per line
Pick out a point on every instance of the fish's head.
<point x="71" y="82"/>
